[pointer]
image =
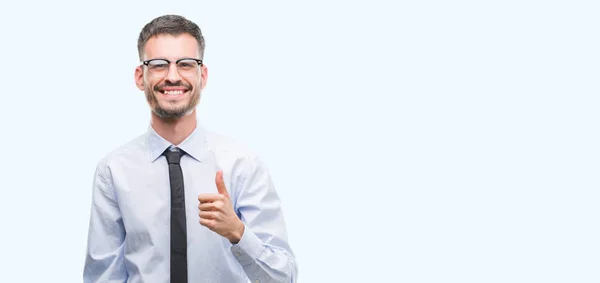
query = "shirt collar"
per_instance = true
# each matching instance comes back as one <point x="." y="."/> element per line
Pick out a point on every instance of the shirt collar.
<point x="194" y="145"/>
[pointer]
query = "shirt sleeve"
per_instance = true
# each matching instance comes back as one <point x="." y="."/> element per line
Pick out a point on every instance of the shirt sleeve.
<point x="263" y="251"/>
<point x="106" y="234"/>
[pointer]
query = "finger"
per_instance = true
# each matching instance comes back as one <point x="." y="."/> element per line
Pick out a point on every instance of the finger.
<point x="211" y="206"/>
<point x="209" y="197"/>
<point x="208" y="215"/>
<point x="221" y="184"/>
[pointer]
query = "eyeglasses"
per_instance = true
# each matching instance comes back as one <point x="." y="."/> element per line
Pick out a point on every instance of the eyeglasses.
<point x="159" y="68"/>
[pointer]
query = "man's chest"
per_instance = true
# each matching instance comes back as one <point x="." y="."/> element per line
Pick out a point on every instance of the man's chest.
<point x="144" y="193"/>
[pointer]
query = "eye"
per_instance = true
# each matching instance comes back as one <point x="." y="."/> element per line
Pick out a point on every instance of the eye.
<point x="187" y="64"/>
<point x="158" y="64"/>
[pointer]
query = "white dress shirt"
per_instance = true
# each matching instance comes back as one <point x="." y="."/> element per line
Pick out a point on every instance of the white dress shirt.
<point x="128" y="238"/>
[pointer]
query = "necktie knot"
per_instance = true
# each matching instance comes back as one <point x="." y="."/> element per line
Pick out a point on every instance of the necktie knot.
<point x="173" y="155"/>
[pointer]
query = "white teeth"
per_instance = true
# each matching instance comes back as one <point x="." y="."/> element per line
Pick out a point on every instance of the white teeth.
<point x="173" y="92"/>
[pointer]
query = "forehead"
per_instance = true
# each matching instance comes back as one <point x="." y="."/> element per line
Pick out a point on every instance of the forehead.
<point x="171" y="47"/>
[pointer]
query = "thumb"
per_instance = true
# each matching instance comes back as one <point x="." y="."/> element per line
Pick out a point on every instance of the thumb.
<point x="221" y="184"/>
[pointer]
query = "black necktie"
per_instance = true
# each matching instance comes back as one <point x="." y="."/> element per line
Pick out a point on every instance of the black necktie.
<point x="178" y="227"/>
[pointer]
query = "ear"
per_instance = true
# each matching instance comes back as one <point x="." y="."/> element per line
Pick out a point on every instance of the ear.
<point x="139" y="78"/>
<point x="204" y="75"/>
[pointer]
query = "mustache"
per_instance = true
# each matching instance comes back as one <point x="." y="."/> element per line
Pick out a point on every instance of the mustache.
<point x="165" y="84"/>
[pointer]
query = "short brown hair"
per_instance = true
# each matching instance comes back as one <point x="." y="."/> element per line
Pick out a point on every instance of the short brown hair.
<point x="172" y="25"/>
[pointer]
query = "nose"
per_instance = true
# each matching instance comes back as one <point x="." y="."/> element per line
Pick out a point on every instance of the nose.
<point x="173" y="75"/>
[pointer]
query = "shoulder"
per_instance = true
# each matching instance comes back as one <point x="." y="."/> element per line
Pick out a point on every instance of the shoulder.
<point x="233" y="154"/>
<point x="122" y="154"/>
<point x="225" y="144"/>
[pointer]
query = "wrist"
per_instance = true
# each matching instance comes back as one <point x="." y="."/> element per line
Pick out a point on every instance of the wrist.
<point x="237" y="233"/>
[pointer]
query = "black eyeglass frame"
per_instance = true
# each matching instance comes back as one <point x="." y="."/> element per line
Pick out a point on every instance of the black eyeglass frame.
<point x="145" y="63"/>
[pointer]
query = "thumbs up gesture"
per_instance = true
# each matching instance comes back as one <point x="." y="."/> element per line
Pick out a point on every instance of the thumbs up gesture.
<point x="217" y="213"/>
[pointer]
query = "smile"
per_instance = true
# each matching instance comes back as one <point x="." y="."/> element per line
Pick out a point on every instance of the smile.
<point x="173" y="93"/>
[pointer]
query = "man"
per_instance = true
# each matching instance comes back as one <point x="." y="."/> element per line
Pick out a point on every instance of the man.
<point x="179" y="203"/>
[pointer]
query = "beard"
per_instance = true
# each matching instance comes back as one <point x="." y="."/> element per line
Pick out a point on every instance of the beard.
<point x="170" y="111"/>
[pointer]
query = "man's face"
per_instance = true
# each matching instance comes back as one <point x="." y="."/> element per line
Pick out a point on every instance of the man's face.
<point x="171" y="93"/>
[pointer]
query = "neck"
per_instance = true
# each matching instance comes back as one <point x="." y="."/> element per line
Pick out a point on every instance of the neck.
<point x="174" y="131"/>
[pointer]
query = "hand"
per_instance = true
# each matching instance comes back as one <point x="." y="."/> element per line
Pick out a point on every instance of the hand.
<point x="217" y="213"/>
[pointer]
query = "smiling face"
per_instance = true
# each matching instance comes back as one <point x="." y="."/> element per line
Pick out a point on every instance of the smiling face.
<point x="171" y="91"/>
